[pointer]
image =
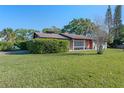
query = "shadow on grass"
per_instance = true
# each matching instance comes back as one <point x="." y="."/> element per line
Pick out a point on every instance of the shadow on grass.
<point x="18" y="52"/>
<point x="78" y="54"/>
<point x="25" y="52"/>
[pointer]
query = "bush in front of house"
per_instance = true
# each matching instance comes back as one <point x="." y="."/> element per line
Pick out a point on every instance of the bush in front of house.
<point x="5" y="46"/>
<point x="39" y="46"/>
<point x="22" y="45"/>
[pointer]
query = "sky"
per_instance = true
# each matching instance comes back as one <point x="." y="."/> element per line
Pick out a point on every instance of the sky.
<point x="43" y="16"/>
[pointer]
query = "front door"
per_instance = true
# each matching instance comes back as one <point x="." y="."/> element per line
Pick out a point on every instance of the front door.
<point x="89" y="44"/>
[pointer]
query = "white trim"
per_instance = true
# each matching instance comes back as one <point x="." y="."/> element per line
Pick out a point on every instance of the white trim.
<point x="79" y="47"/>
<point x="84" y="44"/>
<point x="73" y="44"/>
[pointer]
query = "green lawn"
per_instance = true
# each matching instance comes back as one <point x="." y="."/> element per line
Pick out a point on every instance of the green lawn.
<point x="84" y="69"/>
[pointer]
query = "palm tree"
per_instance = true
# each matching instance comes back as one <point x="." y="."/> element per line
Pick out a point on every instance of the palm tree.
<point x="8" y="35"/>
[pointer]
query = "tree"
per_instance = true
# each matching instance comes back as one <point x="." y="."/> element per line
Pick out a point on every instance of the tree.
<point x="100" y="35"/>
<point x="100" y="38"/>
<point x="24" y="34"/>
<point x="122" y="36"/>
<point x="120" y="40"/>
<point x="53" y="29"/>
<point x="108" y="22"/>
<point x="78" y="26"/>
<point x="108" y="18"/>
<point x="117" y="21"/>
<point x="8" y="35"/>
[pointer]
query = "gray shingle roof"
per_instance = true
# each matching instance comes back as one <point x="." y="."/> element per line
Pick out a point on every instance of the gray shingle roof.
<point x="60" y="36"/>
<point x="74" y="36"/>
<point x="49" y="35"/>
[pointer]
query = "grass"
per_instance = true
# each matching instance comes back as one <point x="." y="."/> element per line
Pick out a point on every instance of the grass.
<point x="84" y="69"/>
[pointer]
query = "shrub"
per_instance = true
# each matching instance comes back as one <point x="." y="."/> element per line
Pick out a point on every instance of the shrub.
<point x="39" y="46"/>
<point x="4" y="46"/>
<point x="22" y="45"/>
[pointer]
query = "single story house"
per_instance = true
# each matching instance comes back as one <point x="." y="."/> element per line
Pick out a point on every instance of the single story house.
<point x="77" y="42"/>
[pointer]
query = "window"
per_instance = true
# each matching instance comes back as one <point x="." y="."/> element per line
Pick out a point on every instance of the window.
<point x="78" y="43"/>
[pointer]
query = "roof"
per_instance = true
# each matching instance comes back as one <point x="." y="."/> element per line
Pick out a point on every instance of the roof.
<point x="49" y="35"/>
<point x="74" y="36"/>
<point x="60" y="36"/>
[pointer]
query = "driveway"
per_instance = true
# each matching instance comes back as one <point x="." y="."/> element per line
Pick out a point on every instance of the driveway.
<point x="15" y="52"/>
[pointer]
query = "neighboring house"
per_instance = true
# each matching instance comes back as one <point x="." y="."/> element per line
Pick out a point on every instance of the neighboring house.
<point x="1" y="39"/>
<point x="77" y="42"/>
<point x="120" y="46"/>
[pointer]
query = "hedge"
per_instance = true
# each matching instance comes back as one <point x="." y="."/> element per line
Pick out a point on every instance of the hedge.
<point x="22" y="45"/>
<point x="5" y="46"/>
<point x="39" y="46"/>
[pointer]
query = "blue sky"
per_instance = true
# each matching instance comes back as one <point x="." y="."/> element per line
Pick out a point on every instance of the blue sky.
<point x="39" y="17"/>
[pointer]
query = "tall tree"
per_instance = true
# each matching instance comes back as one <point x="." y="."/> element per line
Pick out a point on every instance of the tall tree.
<point x="117" y="21"/>
<point x="120" y="40"/>
<point x="8" y="35"/>
<point x="78" y="26"/>
<point x="108" y="18"/>
<point x="108" y="23"/>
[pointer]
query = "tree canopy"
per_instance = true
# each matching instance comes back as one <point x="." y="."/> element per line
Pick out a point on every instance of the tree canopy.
<point x="109" y="24"/>
<point x="117" y="21"/>
<point x="8" y="34"/>
<point x="24" y="34"/>
<point x="53" y="29"/>
<point x="108" y="18"/>
<point x="78" y="26"/>
<point x="117" y="26"/>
